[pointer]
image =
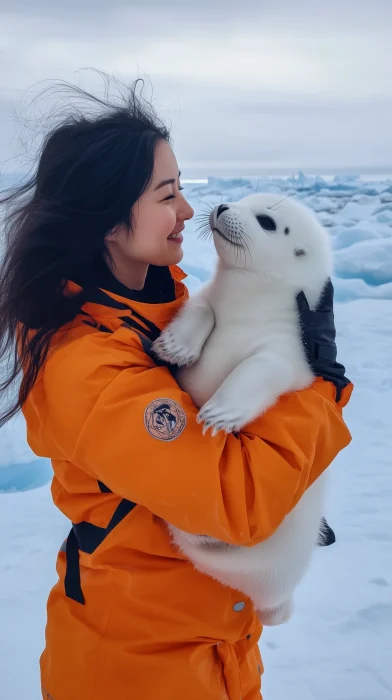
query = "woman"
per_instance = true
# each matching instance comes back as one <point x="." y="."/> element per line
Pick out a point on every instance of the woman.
<point x="88" y="281"/>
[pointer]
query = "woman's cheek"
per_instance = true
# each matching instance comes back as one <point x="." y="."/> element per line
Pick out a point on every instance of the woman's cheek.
<point x="168" y="220"/>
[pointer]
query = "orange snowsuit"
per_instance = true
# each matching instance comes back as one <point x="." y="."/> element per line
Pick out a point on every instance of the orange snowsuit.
<point x="130" y="617"/>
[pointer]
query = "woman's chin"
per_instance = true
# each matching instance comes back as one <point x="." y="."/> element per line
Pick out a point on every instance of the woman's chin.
<point x="176" y="256"/>
<point x="168" y="257"/>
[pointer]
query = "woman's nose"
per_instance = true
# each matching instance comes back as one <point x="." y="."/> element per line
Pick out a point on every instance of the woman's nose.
<point x="187" y="211"/>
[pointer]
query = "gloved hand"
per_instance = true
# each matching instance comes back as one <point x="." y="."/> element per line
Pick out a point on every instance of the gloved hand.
<point x="318" y="337"/>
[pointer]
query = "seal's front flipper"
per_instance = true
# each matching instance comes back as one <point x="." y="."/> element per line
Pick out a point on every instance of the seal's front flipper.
<point x="182" y="340"/>
<point x="252" y="387"/>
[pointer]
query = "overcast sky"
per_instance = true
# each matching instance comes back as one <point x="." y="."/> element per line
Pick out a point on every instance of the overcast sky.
<point x="248" y="86"/>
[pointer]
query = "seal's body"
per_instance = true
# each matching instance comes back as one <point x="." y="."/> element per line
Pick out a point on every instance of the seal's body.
<point x="238" y="344"/>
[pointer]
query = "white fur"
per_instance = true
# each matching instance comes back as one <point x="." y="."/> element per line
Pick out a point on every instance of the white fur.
<point x="239" y="348"/>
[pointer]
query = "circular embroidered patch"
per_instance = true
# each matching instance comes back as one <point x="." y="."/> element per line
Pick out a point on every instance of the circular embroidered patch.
<point x="164" y="419"/>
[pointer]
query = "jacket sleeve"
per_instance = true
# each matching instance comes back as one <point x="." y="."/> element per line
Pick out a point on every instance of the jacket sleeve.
<point x="132" y="427"/>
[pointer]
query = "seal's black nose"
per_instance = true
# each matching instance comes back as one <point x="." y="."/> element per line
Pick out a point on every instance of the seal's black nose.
<point x="221" y="209"/>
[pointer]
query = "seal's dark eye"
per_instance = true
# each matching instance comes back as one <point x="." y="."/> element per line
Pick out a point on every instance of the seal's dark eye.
<point x="266" y="222"/>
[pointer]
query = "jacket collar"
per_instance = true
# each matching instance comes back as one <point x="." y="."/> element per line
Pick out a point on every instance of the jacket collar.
<point x="163" y="285"/>
<point x="159" y="288"/>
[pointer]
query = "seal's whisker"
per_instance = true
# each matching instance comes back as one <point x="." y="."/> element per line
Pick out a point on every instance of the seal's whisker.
<point x="203" y="227"/>
<point x="246" y="247"/>
<point x="275" y="206"/>
<point x="206" y="211"/>
<point x="203" y="220"/>
<point x="205" y="232"/>
<point x="245" y="235"/>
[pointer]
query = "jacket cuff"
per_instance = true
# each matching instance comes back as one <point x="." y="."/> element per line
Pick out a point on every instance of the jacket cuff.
<point x="329" y="390"/>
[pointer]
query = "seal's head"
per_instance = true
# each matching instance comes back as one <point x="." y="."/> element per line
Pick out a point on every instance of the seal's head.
<point x="277" y="238"/>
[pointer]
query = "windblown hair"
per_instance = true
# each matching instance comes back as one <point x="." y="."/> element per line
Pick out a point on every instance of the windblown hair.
<point x="90" y="171"/>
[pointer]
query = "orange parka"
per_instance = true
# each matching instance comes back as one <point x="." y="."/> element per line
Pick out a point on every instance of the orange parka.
<point x="130" y="617"/>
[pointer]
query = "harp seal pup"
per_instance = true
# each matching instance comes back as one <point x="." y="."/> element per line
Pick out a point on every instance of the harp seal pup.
<point x="238" y="345"/>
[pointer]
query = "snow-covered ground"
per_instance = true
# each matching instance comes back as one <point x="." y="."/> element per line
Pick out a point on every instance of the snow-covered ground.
<point x="339" y="644"/>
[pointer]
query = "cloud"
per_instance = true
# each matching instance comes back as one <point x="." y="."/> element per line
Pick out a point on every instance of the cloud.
<point x="240" y="81"/>
<point x="303" y="12"/>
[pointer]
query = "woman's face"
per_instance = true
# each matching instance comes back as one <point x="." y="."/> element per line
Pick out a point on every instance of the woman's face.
<point x="157" y="218"/>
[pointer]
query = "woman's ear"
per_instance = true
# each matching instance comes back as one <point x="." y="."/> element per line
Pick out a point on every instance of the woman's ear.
<point x="112" y="235"/>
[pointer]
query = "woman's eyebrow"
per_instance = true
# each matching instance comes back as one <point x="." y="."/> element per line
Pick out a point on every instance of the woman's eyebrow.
<point x="166" y="182"/>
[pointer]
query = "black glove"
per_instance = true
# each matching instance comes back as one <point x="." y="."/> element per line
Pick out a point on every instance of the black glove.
<point x="318" y="337"/>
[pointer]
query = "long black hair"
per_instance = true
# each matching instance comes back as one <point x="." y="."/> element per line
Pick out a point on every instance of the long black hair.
<point x="90" y="172"/>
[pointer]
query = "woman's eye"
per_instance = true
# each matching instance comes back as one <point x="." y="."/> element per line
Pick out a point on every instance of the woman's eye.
<point x="171" y="196"/>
